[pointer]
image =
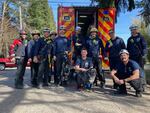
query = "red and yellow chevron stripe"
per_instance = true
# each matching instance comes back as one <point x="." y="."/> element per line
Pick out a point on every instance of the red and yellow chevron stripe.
<point x="66" y="17"/>
<point x="106" y="21"/>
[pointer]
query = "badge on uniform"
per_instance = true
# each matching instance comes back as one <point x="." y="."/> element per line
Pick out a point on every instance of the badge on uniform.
<point x="110" y="43"/>
<point x="86" y="64"/>
<point x="132" y="41"/>
<point x="95" y="42"/>
<point x="130" y="70"/>
<point x="138" y="39"/>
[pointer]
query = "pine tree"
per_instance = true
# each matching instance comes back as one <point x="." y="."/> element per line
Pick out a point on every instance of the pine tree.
<point x="145" y="12"/>
<point x="40" y="15"/>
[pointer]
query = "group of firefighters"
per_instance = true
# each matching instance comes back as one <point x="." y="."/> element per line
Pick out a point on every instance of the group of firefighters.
<point x="46" y="56"/>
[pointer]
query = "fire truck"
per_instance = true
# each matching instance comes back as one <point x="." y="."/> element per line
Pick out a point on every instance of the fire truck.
<point x="85" y="17"/>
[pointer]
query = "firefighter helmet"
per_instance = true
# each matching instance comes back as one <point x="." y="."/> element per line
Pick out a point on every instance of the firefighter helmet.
<point x="133" y="27"/>
<point x="22" y="32"/>
<point x="53" y="33"/>
<point x="62" y="27"/>
<point x="93" y="30"/>
<point x="124" y="51"/>
<point x="35" y="32"/>
<point x="46" y="30"/>
<point x="78" y="28"/>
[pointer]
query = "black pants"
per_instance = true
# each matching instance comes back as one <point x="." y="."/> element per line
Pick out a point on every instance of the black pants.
<point x="113" y="62"/>
<point x="43" y="72"/>
<point x="34" y="73"/>
<point x="59" y="62"/>
<point x="98" y="66"/>
<point x="136" y="84"/>
<point x="21" y="66"/>
<point x="51" y="70"/>
<point x="140" y="61"/>
<point x="55" y="77"/>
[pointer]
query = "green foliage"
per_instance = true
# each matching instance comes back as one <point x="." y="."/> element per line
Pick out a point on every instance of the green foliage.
<point x="40" y="15"/>
<point x="36" y="14"/>
<point x="145" y="32"/>
<point x="145" y="12"/>
<point x="118" y="4"/>
<point x="105" y="3"/>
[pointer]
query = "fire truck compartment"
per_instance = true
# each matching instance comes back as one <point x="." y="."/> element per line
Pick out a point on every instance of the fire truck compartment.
<point x="86" y="17"/>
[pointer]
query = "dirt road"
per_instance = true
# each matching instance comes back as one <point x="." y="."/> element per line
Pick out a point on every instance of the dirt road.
<point x="66" y="100"/>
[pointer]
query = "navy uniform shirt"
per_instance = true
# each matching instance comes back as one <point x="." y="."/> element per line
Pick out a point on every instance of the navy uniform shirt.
<point x="94" y="45"/>
<point x="137" y="46"/>
<point x="61" y="44"/>
<point x="84" y="63"/>
<point x="114" y="47"/>
<point x="125" y="71"/>
<point x="43" y="47"/>
<point x="78" y="39"/>
<point x="31" y="47"/>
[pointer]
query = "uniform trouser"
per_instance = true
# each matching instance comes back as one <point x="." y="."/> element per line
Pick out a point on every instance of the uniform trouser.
<point x="43" y="72"/>
<point x="140" y="61"/>
<point x="136" y="84"/>
<point x="21" y="66"/>
<point x="86" y="77"/>
<point x="113" y="61"/>
<point x="98" y="66"/>
<point x="34" y="72"/>
<point x="59" y="62"/>
<point x="51" y="70"/>
<point x="55" y="71"/>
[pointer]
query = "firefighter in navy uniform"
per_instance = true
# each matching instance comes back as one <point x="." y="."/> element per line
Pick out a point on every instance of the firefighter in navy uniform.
<point x="113" y="47"/>
<point x="137" y="46"/>
<point x="43" y="49"/>
<point x="95" y="46"/>
<point x="61" y="47"/>
<point x="53" y="35"/>
<point x="31" y="49"/>
<point x="85" y="72"/>
<point x="20" y="58"/>
<point x="128" y="71"/>
<point x="78" y="43"/>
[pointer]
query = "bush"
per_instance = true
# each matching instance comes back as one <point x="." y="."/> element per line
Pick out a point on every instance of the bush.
<point x="1" y="56"/>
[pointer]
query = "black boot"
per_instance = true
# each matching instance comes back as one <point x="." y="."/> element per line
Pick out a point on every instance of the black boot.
<point x="102" y="85"/>
<point x="138" y="94"/>
<point x="18" y="84"/>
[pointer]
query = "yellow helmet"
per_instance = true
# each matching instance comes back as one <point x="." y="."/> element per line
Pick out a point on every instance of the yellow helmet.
<point x="93" y="30"/>
<point x="35" y="32"/>
<point x="53" y="33"/>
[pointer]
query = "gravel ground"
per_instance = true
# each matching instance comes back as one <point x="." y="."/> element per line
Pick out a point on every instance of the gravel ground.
<point x="66" y="100"/>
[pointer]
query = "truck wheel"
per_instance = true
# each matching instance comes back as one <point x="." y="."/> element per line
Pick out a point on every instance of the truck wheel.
<point x="2" y="67"/>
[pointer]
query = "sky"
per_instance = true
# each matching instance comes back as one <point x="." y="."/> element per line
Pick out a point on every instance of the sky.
<point x="121" y="27"/>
